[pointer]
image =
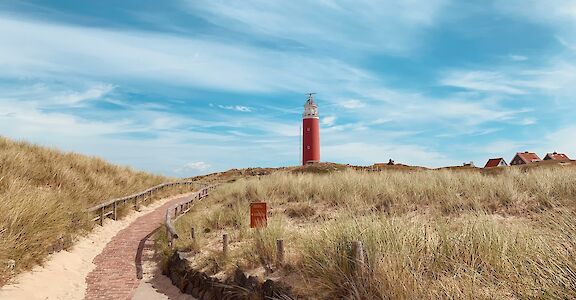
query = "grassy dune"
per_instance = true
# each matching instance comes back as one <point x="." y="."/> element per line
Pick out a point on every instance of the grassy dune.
<point x="43" y="193"/>
<point x="427" y="234"/>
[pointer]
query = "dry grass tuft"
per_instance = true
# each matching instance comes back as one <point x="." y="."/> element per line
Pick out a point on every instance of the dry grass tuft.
<point x="300" y="210"/>
<point x="43" y="193"/>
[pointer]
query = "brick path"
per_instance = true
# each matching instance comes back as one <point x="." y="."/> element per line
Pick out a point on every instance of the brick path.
<point x="115" y="275"/>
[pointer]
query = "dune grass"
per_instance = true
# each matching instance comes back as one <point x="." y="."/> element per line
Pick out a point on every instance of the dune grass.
<point x="43" y="193"/>
<point x="427" y="234"/>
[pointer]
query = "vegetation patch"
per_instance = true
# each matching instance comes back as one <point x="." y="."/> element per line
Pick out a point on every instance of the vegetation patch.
<point x="425" y="233"/>
<point x="43" y="195"/>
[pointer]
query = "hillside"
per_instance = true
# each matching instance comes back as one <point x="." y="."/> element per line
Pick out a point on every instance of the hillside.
<point x="428" y="234"/>
<point x="43" y="193"/>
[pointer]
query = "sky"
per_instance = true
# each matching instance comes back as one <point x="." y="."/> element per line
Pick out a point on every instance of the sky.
<point x="187" y="87"/>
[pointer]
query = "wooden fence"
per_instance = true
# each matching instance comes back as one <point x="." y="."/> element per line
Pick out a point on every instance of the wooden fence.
<point x="110" y="208"/>
<point x="178" y="209"/>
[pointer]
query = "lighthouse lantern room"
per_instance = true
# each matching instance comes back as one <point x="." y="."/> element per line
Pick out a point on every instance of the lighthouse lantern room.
<point x="310" y="132"/>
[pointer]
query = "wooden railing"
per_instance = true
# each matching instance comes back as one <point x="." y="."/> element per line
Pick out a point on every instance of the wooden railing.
<point x="183" y="207"/>
<point x="110" y="208"/>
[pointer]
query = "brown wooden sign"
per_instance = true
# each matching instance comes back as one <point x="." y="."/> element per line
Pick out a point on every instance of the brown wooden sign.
<point x="258" y="215"/>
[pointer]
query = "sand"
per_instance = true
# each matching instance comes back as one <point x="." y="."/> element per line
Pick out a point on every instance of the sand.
<point x="63" y="275"/>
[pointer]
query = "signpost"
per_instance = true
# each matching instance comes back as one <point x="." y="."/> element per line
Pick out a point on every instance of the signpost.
<point x="258" y="215"/>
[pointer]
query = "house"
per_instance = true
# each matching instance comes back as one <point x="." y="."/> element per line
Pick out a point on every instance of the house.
<point x="496" y="162"/>
<point x="556" y="156"/>
<point x="523" y="158"/>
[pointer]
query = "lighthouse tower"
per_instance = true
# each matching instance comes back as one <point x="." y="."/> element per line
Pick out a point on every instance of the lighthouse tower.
<point x="310" y="132"/>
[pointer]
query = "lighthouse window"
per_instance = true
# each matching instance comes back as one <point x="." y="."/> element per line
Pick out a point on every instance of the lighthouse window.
<point x="308" y="147"/>
<point x="308" y="129"/>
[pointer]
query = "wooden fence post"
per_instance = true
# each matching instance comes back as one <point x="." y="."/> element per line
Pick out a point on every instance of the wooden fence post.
<point x="280" y="252"/>
<point x="192" y="234"/>
<point x="169" y="235"/>
<point x="358" y="257"/>
<point x="102" y="216"/>
<point x="115" y="211"/>
<point x="136" y="205"/>
<point x="225" y="245"/>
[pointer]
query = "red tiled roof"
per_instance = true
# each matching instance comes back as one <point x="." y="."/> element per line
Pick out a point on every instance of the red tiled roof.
<point x="528" y="157"/>
<point x="556" y="156"/>
<point x="493" y="162"/>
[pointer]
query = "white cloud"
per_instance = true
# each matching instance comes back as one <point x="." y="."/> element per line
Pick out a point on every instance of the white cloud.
<point x="328" y="120"/>
<point x="518" y="57"/>
<point x="285" y="129"/>
<point x="352" y="104"/>
<point x="565" y="43"/>
<point x="528" y="121"/>
<point x="379" y="121"/>
<point x="40" y="111"/>
<point x="395" y="107"/>
<point x="484" y="81"/>
<point x="76" y="94"/>
<point x="240" y="108"/>
<point x="553" y="12"/>
<point x="390" y="26"/>
<point x="557" y="78"/>
<point x="95" y="92"/>
<point x="121" y="55"/>
<point x="350" y="127"/>
<point x="194" y="166"/>
<point x="559" y="15"/>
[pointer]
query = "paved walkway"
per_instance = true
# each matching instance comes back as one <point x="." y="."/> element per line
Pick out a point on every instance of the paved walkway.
<point x="115" y="275"/>
<point x="154" y="285"/>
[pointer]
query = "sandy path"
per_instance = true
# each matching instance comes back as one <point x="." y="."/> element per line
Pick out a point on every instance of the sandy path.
<point x="63" y="275"/>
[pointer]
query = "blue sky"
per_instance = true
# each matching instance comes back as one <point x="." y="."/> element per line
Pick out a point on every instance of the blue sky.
<point x="185" y="87"/>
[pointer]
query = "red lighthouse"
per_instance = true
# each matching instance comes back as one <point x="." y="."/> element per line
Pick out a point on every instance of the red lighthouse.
<point x="310" y="132"/>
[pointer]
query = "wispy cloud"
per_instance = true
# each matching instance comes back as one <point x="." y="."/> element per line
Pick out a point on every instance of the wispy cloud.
<point x="321" y="25"/>
<point x="240" y="108"/>
<point x="557" y="77"/>
<point x="193" y="166"/>
<point x="328" y="120"/>
<point x="515" y="57"/>
<point x="352" y="104"/>
<point x="484" y="81"/>
<point x="168" y="59"/>
<point x="528" y="121"/>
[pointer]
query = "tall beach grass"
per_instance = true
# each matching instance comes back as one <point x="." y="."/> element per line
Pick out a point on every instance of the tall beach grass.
<point x="427" y="234"/>
<point x="43" y="195"/>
